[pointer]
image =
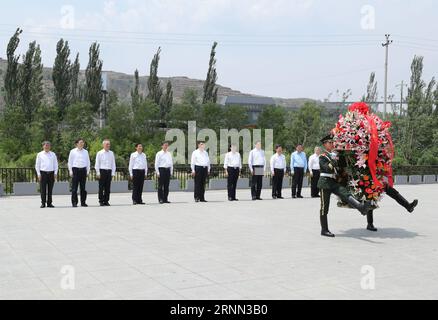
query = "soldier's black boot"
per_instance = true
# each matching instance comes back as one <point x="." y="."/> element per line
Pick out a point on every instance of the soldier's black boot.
<point x="400" y="200"/>
<point x="324" y="227"/>
<point x="370" y="220"/>
<point x="362" y="207"/>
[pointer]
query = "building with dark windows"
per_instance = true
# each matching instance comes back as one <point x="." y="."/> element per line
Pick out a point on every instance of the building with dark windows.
<point x="254" y="105"/>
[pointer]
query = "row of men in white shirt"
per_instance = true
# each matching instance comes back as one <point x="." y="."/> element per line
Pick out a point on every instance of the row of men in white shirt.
<point x="105" y="159"/>
<point x="46" y="161"/>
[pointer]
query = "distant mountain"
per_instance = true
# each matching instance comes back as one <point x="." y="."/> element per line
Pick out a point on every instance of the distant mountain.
<point x="123" y="83"/>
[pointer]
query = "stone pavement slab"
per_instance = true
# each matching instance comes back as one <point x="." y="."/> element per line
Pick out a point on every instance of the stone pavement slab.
<point x="268" y="249"/>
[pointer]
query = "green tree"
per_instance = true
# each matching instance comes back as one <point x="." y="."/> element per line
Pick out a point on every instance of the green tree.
<point x="305" y="126"/>
<point x="181" y="114"/>
<point x="136" y="97"/>
<point x="211" y="117"/>
<point x="235" y="117"/>
<point x="61" y="75"/>
<point x="76" y="94"/>
<point x="31" y="81"/>
<point x="14" y="133"/>
<point x="11" y="77"/>
<point x="154" y="85"/>
<point x="210" y="89"/>
<point x="372" y="94"/>
<point x="272" y="117"/>
<point x="166" y="102"/>
<point x="191" y="97"/>
<point x="45" y="126"/>
<point x="93" y="78"/>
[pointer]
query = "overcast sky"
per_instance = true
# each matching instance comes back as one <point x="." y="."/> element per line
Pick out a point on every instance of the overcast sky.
<point x="279" y="48"/>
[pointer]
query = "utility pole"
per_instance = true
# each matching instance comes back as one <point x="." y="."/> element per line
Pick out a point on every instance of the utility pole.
<point x="402" y="85"/>
<point x="386" y="45"/>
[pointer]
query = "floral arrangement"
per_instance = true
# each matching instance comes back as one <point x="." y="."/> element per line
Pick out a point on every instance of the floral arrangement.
<point x="364" y="140"/>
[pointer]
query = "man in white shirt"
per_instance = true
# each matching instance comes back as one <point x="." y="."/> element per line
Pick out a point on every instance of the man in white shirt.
<point x="257" y="166"/>
<point x="105" y="170"/>
<point x="79" y="169"/>
<point x="232" y="166"/>
<point x="138" y="171"/>
<point x="200" y="165"/>
<point x="315" y="172"/>
<point x="46" y="167"/>
<point x="278" y="170"/>
<point x="164" y="170"/>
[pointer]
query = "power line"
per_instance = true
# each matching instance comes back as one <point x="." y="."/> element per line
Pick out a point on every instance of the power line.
<point x="139" y="41"/>
<point x="194" y="34"/>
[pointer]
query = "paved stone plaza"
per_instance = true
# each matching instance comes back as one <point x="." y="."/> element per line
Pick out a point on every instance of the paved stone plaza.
<point x="218" y="250"/>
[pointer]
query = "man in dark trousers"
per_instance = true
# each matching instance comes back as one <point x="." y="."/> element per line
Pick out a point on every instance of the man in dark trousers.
<point x="46" y="167"/>
<point x="257" y="166"/>
<point x="298" y="168"/>
<point x="79" y="169"/>
<point x="138" y="171"/>
<point x="314" y="172"/>
<point x="232" y="166"/>
<point x="200" y="165"/>
<point x="164" y="171"/>
<point x="278" y="170"/>
<point x="105" y="171"/>
<point x="328" y="184"/>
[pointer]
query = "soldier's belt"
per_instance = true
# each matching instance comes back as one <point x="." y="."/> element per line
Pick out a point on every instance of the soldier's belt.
<point x="328" y="175"/>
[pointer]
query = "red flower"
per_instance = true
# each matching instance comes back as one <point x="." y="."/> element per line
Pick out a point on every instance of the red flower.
<point x="369" y="191"/>
<point x="360" y="107"/>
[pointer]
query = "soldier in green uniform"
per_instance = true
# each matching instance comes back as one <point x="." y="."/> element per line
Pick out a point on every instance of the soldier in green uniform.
<point x="328" y="184"/>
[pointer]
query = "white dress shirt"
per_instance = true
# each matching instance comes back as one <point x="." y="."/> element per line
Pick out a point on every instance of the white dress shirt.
<point x="163" y="160"/>
<point x="233" y="160"/>
<point x="138" y="161"/>
<point x="105" y="160"/>
<point x="201" y="159"/>
<point x="78" y="159"/>
<point x="47" y="162"/>
<point x="314" y="162"/>
<point x="256" y="158"/>
<point x="278" y="161"/>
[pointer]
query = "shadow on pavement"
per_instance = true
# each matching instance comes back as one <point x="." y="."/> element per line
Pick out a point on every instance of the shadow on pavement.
<point x="383" y="233"/>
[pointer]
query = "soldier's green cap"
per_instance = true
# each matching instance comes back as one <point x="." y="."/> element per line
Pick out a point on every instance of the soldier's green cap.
<point x="327" y="138"/>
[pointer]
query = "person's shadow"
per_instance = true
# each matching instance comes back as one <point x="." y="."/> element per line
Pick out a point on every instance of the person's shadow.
<point x="382" y="233"/>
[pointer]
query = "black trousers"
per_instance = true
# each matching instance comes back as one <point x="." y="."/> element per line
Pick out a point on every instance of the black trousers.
<point x="277" y="183"/>
<point x="47" y="182"/>
<point x="370" y="217"/>
<point x="201" y="174"/>
<point x="79" y="179"/>
<point x="163" y="184"/>
<point x="105" y="186"/>
<point x="297" y="181"/>
<point x="315" y="179"/>
<point x="233" y="177"/>
<point x="256" y="184"/>
<point x="137" y="185"/>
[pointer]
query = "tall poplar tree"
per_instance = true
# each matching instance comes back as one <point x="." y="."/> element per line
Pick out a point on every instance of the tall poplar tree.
<point x="11" y="77"/>
<point x="154" y="85"/>
<point x="62" y="76"/>
<point x="93" y="78"/>
<point x="31" y="81"/>
<point x="210" y="89"/>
